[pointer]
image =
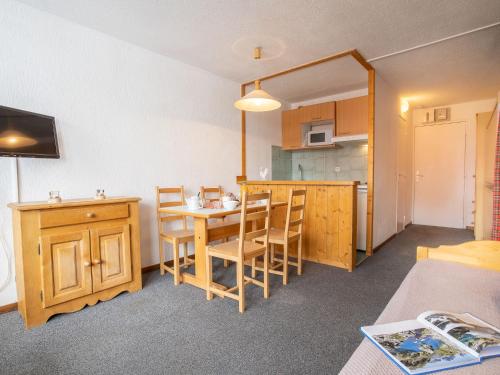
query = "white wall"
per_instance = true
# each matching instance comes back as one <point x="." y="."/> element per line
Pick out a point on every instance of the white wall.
<point x="262" y="129"/>
<point x="463" y="112"/>
<point x="127" y="119"/>
<point x="385" y="158"/>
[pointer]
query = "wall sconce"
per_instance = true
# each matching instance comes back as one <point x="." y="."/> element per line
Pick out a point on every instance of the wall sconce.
<point x="405" y="106"/>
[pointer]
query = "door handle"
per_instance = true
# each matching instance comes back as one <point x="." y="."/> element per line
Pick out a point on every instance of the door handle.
<point x="95" y="262"/>
<point x="418" y="175"/>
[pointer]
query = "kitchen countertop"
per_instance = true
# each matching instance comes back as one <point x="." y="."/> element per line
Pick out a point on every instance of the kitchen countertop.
<point x="300" y="182"/>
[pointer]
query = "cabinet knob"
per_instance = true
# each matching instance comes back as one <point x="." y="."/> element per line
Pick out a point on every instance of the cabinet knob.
<point x="90" y="215"/>
<point x="96" y="261"/>
<point x="87" y="263"/>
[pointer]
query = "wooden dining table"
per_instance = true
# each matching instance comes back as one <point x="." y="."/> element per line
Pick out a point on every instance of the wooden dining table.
<point x="203" y="234"/>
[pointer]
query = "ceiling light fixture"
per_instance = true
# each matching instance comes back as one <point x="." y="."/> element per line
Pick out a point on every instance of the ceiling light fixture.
<point x="257" y="100"/>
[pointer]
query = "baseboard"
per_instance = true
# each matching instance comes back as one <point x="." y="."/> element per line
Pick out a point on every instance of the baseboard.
<point x="8" y="308"/>
<point x="13" y="306"/>
<point x="383" y="243"/>
<point x="407" y="225"/>
<point x="169" y="263"/>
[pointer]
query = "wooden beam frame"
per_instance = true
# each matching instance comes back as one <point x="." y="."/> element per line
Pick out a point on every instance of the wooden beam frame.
<point x="371" y="128"/>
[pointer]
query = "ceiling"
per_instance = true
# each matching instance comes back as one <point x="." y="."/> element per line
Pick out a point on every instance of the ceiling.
<point x="219" y="36"/>
<point x="330" y="78"/>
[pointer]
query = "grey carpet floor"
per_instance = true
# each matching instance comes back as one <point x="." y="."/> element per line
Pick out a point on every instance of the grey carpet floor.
<point x="311" y="326"/>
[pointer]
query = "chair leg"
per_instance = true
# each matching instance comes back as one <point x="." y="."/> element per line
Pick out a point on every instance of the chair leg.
<point x="299" y="256"/>
<point x="162" y="258"/>
<point x="226" y="262"/>
<point x="285" y="263"/>
<point x="240" y="274"/>
<point x="266" y="275"/>
<point x="272" y="253"/>
<point x="186" y="254"/>
<point x="254" y="271"/>
<point x="210" y="295"/>
<point x="177" y="272"/>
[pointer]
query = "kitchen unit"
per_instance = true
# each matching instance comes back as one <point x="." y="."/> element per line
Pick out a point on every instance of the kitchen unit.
<point x="352" y="116"/>
<point x="346" y="117"/>
<point x="329" y="232"/>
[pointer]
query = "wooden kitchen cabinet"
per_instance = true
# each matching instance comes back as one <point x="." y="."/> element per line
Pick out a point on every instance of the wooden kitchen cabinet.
<point x="291" y="129"/>
<point x="317" y="112"/>
<point x="352" y="116"/>
<point x="75" y="253"/>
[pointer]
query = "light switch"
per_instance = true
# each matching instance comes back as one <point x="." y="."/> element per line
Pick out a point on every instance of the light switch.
<point x="337" y="169"/>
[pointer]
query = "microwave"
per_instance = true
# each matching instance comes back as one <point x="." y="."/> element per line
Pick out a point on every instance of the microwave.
<point x="319" y="137"/>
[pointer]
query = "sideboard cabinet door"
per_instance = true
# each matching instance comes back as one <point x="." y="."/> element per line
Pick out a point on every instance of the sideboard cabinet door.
<point x="66" y="267"/>
<point x="111" y="258"/>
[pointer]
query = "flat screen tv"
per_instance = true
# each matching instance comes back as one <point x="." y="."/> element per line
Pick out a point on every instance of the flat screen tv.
<point x="26" y="134"/>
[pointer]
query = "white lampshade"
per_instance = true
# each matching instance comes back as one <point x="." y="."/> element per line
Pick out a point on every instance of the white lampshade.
<point x="257" y="101"/>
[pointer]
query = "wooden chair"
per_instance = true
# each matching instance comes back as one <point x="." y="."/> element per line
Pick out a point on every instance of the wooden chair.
<point x="211" y="194"/>
<point x="241" y="250"/>
<point x="173" y="237"/>
<point x="286" y="237"/>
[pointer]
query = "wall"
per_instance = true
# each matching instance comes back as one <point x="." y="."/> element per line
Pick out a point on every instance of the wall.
<point x="127" y="119"/>
<point x="385" y="159"/>
<point x="351" y="159"/>
<point x="463" y="112"/>
<point x="281" y="164"/>
<point x="263" y="129"/>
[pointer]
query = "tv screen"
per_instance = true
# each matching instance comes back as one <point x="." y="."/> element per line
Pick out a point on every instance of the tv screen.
<point x="27" y="134"/>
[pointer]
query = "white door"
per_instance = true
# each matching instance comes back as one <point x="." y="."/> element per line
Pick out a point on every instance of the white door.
<point x="440" y="175"/>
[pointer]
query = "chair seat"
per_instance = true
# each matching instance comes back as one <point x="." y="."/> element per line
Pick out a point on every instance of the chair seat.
<point x="277" y="236"/>
<point x="182" y="235"/>
<point x="229" y="250"/>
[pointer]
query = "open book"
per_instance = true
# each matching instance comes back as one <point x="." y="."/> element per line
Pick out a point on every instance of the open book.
<point x="436" y="341"/>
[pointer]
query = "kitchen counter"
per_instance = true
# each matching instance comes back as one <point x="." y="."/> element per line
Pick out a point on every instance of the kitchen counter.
<point x="301" y="182"/>
<point x="329" y="233"/>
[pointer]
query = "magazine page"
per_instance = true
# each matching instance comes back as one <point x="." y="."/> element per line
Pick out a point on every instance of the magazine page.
<point x="418" y="349"/>
<point x="479" y="336"/>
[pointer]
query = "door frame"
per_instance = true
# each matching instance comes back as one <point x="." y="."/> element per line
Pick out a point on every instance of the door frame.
<point x="408" y="183"/>
<point x="414" y="166"/>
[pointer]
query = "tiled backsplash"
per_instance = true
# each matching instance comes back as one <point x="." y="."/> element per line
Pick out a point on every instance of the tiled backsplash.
<point x="348" y="162"/>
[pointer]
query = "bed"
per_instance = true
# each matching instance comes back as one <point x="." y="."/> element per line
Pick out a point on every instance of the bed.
<point x="461" y="278"/>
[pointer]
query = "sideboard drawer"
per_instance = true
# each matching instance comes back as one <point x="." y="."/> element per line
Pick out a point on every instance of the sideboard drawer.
<point x="87" y="214"/>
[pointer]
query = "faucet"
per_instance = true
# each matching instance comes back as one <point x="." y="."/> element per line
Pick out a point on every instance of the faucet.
<point x="301" y="170"/>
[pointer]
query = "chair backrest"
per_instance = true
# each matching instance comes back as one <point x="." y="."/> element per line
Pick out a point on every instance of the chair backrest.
<point x="176" y="195"/>
<point x="211" y="194"/>
<point x="263" y="213"/>
<point x="295" y="211"/>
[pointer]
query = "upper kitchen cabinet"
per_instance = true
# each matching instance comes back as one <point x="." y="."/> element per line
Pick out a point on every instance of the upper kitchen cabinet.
<point x="352" y="116"/>
<point x="291" y="129"/>
<point x="317" y="112"/>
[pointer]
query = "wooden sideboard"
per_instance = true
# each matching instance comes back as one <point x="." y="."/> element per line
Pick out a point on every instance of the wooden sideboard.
<point x="329" y="233"/>
<point x="74" y="253"/>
